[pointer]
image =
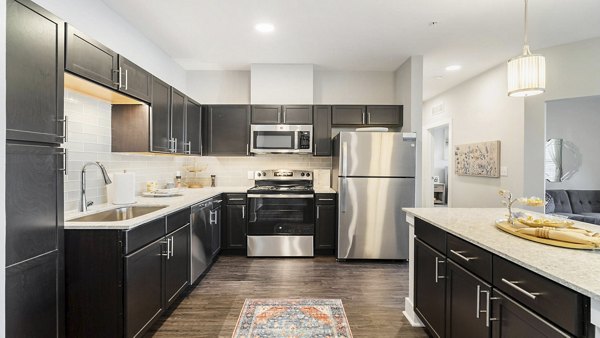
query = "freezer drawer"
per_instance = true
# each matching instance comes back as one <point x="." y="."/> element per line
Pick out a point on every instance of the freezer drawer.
<point x="371" y="223"/>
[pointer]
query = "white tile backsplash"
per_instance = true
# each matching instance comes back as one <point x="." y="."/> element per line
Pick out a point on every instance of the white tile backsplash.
<point x="89" y="140"/>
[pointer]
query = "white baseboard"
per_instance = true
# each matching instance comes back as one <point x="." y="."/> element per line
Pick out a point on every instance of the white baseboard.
<point x="410" y="314"/>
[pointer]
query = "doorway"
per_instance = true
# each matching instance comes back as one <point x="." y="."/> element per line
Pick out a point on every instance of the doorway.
<point x="437" y="163"/>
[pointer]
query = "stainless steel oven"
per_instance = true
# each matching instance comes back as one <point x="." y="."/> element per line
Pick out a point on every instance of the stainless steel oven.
<point x="281" y="138"/>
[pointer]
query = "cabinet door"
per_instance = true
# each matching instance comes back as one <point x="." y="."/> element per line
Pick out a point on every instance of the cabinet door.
<point x="143" y="287"/>
<point x="322" y="130"/>
<point x="192" y="127"/>
<point x="266" y="114"/>
<point x="513" y="320"/>
<point x="430" y="288"/>
<point x="226" y="130"/>
<point x="177" y="264"/>
<point x="161" y="103"/>
<point x="134" y="80"/>
<point x="468" y="300"/>
<point x="34" y="201"/>
<point x="325" y="227"/>
<point x="34" y="73"/>
<point x="297" y="114"/>
<point x="235" y="226"/>
<point x="384" y="115"/>
<point x="32" y="304"/>
<point x="216" y="232"/>
<point x="90" y="59"/>
<point x="348" y="115"/>
<point x="178" y="119"/>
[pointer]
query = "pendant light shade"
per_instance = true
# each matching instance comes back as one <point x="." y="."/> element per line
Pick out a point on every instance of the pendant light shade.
<point x="526" y="72"/>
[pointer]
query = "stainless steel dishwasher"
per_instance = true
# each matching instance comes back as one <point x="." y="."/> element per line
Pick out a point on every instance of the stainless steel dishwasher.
<point x="201" y="236"/>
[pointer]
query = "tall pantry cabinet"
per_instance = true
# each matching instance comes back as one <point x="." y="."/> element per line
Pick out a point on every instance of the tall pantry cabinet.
<point x="35" y="165"/>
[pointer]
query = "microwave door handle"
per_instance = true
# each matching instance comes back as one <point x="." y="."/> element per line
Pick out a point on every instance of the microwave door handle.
<point x="296" y="136"/>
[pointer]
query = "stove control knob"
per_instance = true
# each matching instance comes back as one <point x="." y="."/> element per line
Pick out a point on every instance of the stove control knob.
<point x="307" y="174"/>
<point x="264" y="173"/>
<point x="258" y="174"/>
<point x="302" y="174"/>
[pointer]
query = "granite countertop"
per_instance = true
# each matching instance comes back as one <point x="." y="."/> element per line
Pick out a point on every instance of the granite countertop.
<point x="576" y="269"/>
<point x="324" y="190"/>
<point x="189" y="197"/>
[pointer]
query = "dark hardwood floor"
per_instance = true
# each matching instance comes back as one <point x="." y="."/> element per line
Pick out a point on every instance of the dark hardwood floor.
<point x="372" y="294"/>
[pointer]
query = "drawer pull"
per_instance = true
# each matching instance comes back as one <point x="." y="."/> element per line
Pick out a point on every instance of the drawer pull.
<point x="236" y="199"/>
<point x="325" y="199"/>
<point x="459" y="254"/>
<point x="437" y="275"/>
<point x="513" y="284"/>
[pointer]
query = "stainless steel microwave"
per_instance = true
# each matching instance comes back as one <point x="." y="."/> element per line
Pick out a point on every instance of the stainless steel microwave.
<point x="281" y="138"/>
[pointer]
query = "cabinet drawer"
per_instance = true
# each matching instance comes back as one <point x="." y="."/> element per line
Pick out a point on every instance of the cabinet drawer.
<point x="235" y="199"/>
<point x="325" y="198"/>
<point x="469" y="256"/>
<point x="560" y="305"/>
<point x="430" y="234"/>
<point x="144" y="234"/>
<point x="178" y="219"/>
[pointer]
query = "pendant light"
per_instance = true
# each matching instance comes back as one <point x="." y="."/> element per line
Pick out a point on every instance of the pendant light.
<point x="526" y="72"/>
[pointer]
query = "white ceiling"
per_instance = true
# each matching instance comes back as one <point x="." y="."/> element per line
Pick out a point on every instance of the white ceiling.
<point x="358" y="34"/>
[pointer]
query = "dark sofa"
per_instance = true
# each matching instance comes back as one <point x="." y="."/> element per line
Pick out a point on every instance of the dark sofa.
<point x="578" y="205"/>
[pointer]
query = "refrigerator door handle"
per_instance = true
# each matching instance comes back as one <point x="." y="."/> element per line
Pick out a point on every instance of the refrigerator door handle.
<point x="345" y="159"/>
<point x="343" y="188"/>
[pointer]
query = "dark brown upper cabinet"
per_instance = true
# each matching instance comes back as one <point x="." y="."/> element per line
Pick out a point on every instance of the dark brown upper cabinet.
<point x="94" y="61"/>
<point x="266" y="114"/>
<point x="376" y="115"/>
<point x="193" y="125"/>
<point x="322" y="131"/>
<point x="177" y="112"/>
<point x="160" y="120"/>
<point x="34" y="74"/>
<point x="275" y="114"/>
<point x="90" y="59"/>
<point x="134" y="80"/>
<point x="384" y="115"/>
<point x="226" y="130"/>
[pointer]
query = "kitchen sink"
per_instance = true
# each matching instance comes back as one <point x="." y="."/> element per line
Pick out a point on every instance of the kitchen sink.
<point x="119" y="214"/>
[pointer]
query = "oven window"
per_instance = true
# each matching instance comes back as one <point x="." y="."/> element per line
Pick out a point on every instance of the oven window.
<point x="273" y="139"/>
<point x="281" y="216"/>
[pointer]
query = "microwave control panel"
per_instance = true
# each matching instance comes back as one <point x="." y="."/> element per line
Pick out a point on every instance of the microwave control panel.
<point x="304" y="140"/>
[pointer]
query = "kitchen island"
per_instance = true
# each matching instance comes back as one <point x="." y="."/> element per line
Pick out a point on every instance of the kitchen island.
<point x="575" y="272"/>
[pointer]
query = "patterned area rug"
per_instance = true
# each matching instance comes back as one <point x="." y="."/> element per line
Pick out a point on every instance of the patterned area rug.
<point x="297" y="318"/>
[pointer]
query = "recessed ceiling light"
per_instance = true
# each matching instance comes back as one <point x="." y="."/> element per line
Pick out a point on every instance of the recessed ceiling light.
<point x="264" y="27"/>
<point x="453" y="67"/>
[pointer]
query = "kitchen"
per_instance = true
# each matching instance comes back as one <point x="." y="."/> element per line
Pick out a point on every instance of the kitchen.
<point x="284" y="173"/>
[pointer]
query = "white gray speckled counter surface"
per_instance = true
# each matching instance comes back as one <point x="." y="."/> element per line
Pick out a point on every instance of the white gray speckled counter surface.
<point x="324" y="190"/>
<point x="576" y="269"/>
<point x="189" y="197"/>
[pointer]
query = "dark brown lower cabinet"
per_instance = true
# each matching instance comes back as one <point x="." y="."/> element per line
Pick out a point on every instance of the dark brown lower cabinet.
<point x="235" y="226"/>
<point x="430" y="288"/>
<point x="143" y="287"/>
<point x="177" y="275"/>
<point x="468" y="303"/>
<point x="513" y="320"/>
<point x="325" y="223"/>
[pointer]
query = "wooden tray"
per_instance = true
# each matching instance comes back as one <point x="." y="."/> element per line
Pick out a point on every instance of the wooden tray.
<point x="507" y="227"/>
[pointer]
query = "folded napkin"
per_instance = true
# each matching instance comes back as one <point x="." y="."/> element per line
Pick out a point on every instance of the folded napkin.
<point x="577" y="236"/>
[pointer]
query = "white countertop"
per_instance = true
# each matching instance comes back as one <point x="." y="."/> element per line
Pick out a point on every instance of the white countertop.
<point x="576" y="269"/>
<point x="324" y="190"/>
<point x="189" y="197"/>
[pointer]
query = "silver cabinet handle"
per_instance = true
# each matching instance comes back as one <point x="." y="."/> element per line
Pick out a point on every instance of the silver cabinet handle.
<point x="65" y="167"/>
<point x="459" y="254"/>
<point x="283" y="113"/>
<point x="243" y="212"/>
<point x="325" y="199"/>
<point x="437" y="263"/>
<point x="316" y="147"/>
<point x="118" y="83"/>
<point x="236" y="199"/>
<point x="126" y="79"/>
<point x="168" y="243"/>
<point x="513" y="284"/>
<point x="363" y="118"/>
<point x="477" y="311"/>
<point x="65" y="122"/>
<point x="318" y="208"/>
<point x="175" y="145"/>
<point x="172" y="245"/>
<point x="187" y="147"/>
<point x="487" y="307"/>
<point x="247" y="149"/>
<point x="368" y="115"/>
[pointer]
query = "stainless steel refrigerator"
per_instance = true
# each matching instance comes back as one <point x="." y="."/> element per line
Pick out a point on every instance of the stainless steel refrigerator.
<point x="374" y="175"/>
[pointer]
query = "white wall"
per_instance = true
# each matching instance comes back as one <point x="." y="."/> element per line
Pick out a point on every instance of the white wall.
<point x="2" y="162"/>
<point x="353" y="87"/>
<point x="97" y="20"/>
<point x="576" y="121"/>
<point x="219" y="87"/>
<point x="480" y="110"/>
<point x="281" y="83"/>
<point x="572" y="70"/>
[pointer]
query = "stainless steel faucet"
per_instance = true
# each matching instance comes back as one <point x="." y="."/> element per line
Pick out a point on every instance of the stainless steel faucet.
<point x="83" y="203"/>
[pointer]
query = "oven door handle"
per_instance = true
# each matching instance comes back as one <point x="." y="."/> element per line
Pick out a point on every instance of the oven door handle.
<point x="296" y="136"/>
<point x="280" y="196"/>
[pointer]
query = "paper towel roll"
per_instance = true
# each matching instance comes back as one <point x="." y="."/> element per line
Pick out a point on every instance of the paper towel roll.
<point x="124" y="188"/>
